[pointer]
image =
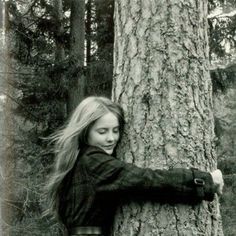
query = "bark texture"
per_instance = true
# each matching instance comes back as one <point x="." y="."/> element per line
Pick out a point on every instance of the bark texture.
<point x="60" y="45"/>
<point x="162" y="80"/>
<point x="59" y="30"/>
<point x="77" y="36"/>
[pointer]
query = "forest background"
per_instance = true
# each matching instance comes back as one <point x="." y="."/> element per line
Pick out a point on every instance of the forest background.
<point x="55" y="53"/>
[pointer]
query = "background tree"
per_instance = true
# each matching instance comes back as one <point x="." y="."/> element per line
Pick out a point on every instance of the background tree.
<point x="7" y="134"/>
<point x="77" y="36"/>
<point x="221" y="20"/>
<point x="100" y="38"/>
<point x="32" y="67"/>
<point x="161" y="78"/>
<point x="59" y="45"/>
<point x="43" y="36"/>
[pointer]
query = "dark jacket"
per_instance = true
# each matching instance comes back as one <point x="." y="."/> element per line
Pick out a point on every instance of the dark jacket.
<point x="99" y="182"/>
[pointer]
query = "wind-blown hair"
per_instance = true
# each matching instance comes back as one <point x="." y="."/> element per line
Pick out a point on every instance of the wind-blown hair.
<point x="69" y="140"/>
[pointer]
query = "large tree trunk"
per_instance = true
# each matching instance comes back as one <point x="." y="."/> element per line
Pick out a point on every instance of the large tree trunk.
<point x="77" y="32"/>
<point x="162" y="80"/>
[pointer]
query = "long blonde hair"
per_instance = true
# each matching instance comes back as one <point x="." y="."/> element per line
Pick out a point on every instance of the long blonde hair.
<point x="69" y="140"/>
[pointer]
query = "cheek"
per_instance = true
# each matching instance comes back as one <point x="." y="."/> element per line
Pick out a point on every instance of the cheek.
<point x="117" y="137"/>
<point x="90" y="137"/>
<point x="94" y="138"/>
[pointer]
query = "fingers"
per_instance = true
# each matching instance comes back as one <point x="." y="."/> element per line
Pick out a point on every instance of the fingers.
<point x="221" y="189"/>
<point x="218" y="181"/>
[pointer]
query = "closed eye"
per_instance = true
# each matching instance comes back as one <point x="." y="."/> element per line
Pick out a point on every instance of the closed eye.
<point x="116" y="130"/>
<point x="101" y="131"/>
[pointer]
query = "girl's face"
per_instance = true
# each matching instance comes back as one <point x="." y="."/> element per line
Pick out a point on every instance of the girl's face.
<point x="105" y="133"/>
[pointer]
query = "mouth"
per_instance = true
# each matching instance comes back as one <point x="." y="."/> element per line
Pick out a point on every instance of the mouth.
<point x="109" y="146"/>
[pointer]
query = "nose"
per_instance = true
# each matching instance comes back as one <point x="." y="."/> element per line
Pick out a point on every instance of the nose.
<point x="110" y="137"/>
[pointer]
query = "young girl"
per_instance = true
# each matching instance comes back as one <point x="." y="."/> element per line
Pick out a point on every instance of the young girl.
<point x="88" y="182"/>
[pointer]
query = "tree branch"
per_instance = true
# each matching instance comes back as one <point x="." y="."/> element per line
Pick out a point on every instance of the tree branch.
<point x="21" y="105"/>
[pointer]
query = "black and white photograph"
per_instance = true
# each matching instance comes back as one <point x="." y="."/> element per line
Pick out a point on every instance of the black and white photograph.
<point x="117" y="117"/>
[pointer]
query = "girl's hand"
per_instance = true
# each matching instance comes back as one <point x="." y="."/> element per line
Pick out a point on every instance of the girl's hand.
<point x="218" y="181"/>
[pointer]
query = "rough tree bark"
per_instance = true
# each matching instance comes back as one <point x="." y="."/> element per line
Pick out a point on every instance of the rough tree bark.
<point x="60" y="45"/>
<point x="162" y="80"/>
<point x="77" y="32"/>
<point x="59" y="30"/>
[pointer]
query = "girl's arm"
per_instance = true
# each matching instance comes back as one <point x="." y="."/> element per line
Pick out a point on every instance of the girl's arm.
<point x="112" y="176"/>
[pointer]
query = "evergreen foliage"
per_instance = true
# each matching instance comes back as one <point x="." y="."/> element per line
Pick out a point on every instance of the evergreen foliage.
<point x="40" y="96"/>
<point x="222" y="41"/>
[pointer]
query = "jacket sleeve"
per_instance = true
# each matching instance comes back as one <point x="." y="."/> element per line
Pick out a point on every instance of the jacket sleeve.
<point x="112" y="176"/>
